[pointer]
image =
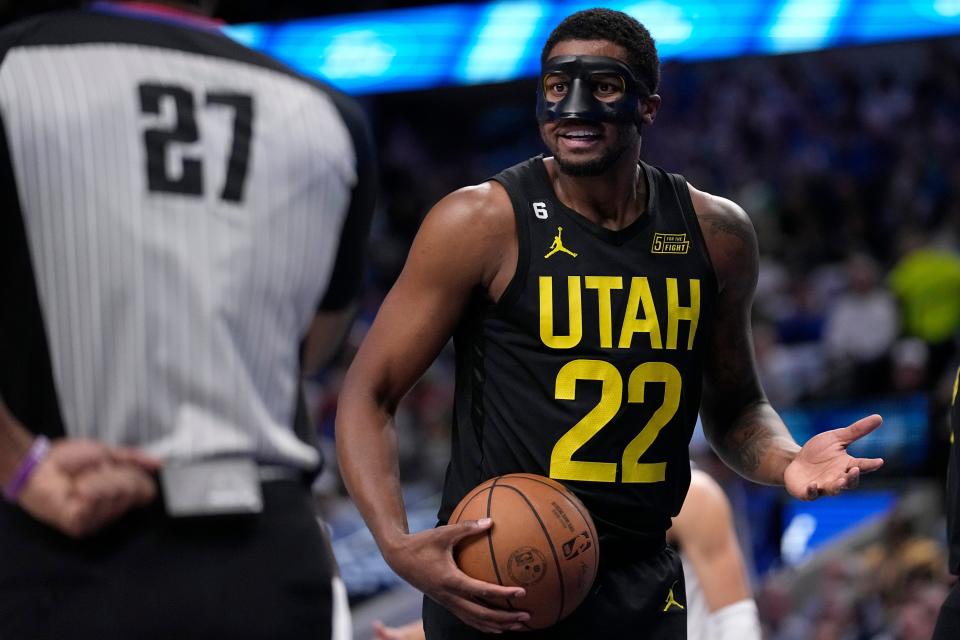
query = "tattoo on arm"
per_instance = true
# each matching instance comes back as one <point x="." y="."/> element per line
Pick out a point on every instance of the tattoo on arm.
<point x="733" y="247"/>
<point x="745" y="422"/>
<point x="747" y="439"/>
<point x="740" y="423"/>
<point x="725" y="224"/>
<point x="736" y="400"/>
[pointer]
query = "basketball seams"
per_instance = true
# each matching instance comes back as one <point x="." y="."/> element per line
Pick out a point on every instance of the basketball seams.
<point x="553" y="550"/>
<point x="586" y="519"/>
<point x="466" y="502"/>
<point x="507" y="509"/>
<point x="489" y="533"/>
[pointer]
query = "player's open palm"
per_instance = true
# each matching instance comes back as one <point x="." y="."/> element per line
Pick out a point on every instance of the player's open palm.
<point x="824" y="468"/>
<point x="425" y="560"/>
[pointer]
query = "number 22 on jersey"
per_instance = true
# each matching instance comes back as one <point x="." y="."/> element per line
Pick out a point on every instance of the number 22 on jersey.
<point x="562" y="464"/>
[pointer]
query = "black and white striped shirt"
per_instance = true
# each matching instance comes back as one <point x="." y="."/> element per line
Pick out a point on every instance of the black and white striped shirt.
<point x="175" y="210"/>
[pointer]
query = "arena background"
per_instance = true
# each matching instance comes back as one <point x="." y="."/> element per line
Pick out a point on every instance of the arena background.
<point x="835" y="125"/>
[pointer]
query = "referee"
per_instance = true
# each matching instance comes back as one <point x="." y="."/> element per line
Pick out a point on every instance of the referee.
<point x="181" y="232"/>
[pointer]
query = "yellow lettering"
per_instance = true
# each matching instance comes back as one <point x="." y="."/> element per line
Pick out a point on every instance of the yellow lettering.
<point x="562" y="464"/>
<point x="603" y="285"/>
<point x="546" y="314"/>
<point x="676" y="313"/>
<point x="640" y="295"/>
<point x="633" y="469"/>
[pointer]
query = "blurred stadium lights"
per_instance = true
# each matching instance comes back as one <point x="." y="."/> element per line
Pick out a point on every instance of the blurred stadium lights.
<point x="445" y="45"/>
<point x="801" y="25"/>
<point x="809" y="526"/>
<point x="500" y="43"/>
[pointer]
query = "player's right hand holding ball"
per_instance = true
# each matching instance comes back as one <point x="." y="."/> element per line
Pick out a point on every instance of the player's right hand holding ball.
<point x="425" y="560"/>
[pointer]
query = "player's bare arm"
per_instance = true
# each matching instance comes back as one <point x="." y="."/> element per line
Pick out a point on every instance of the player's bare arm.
<point x="467" y="243"/>
<point x="713" y="550"/>
<point x="717" y="562"/>
<point x="738" y="421"/>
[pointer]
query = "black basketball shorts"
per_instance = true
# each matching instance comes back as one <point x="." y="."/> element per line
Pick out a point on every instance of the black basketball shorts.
<point x="631" y="597"/>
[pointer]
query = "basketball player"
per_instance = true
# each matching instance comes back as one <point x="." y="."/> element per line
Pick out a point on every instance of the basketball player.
<point x="182" y="218"/>
<point x="948" y="622"/>
<point x="718" y="602"/>
<point x="585" y="368"/>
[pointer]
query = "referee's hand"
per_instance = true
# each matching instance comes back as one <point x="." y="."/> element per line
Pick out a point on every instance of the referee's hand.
<point x="82" y="486"/>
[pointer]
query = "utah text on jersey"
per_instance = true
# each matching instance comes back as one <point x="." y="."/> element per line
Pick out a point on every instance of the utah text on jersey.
<point x="640" y="315"/>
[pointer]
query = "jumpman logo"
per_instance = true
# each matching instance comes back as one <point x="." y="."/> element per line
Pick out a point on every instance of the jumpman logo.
<point x="671" y="601"/>
<point x="557" y="245"/>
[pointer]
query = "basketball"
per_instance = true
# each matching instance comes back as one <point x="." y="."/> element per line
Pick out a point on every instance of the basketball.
<point x="542" y="539"/>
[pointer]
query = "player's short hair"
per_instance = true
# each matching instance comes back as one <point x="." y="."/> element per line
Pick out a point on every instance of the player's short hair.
<point x="616" y="27"/>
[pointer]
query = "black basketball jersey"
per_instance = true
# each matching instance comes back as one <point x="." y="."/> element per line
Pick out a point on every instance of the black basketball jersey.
<point x="953" y="483"/>
<point x="588" y="369"/>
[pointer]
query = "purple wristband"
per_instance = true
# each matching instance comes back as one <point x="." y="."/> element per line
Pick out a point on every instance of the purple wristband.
<point x="38" y="450"/>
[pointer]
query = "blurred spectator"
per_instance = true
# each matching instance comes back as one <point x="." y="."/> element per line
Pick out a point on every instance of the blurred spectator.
<point x="909" y="360"/>
<point x="926" y="281"/>
<point x="917" y="616"/>
<point x="902" y="560"/>
<point x="787" y="374"/>
<point x="861" y="327"/>
<point x="801" y="320"/>
<point x="837" y="607"/>
<point x="779" y="615"/>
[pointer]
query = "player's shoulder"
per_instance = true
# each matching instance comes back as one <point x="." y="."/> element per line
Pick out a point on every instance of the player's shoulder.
<point x="473" y="225"/>
<point x="484" y="206"/>
<point x="730" y="237"/>
<point x="717" y="212"/>
<point x="467" y="236"/>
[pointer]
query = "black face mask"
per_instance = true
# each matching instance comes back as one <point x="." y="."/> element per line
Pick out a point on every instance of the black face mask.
<point x="579" y="103"/>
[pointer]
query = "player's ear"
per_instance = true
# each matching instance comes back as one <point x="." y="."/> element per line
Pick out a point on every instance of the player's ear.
<point x="649" y="107"/>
